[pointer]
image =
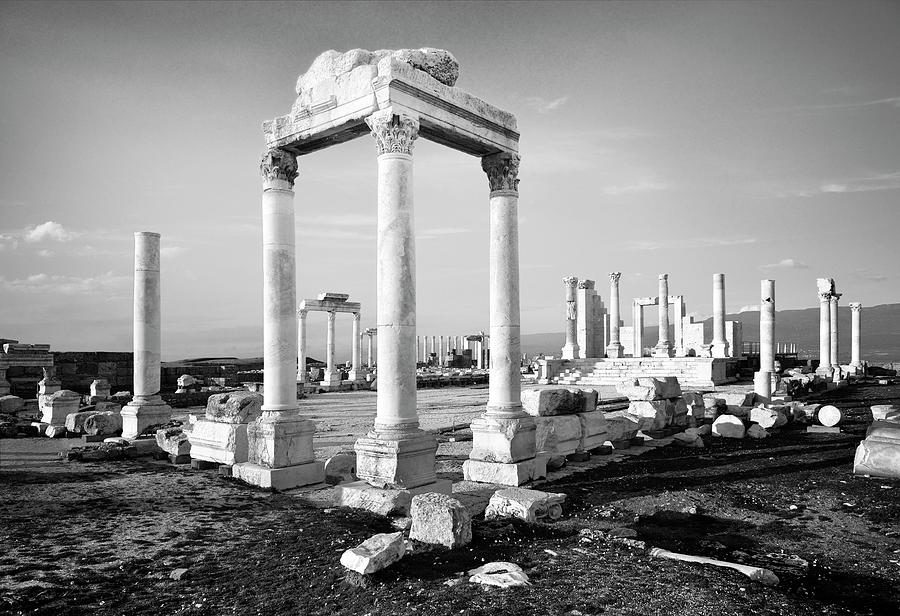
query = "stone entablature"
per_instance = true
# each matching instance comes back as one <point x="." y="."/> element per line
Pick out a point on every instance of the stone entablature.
<point x="334" y="108"/>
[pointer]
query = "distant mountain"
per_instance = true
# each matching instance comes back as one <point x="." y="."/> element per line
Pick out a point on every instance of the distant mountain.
<point x="879" y="332"/>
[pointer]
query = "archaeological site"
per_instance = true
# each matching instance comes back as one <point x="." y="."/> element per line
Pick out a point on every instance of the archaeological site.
<point x="439" y="398"/>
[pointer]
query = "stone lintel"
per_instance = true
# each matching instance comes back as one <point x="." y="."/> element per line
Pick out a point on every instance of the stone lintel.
<point x="333" y="297"/>
<point x="646" y="301"/>
<point x="447" y="115"/>
<point x="315" y="305"/>
<point x="37" y="361"/>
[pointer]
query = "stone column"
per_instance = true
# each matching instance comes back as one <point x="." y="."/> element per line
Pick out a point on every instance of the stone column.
<point x="570" y="349"/>
<point x="762" y="382"/>
<point x="396" y="453"/>
<point x="280" y="442"/>
<point x="441" y="354"/>
<point x="614" y="349"/>
<point x="301" y="347"/>
<point x="503" y="439"/>
<point x="663" y="347"/>
<point x="479" y="353"/>
<point x="418" y="340"/>
<point x="356" y="371"/>
<point x="677" y="302"/>
<point x="719" y="346"/>
<point x="638" y="327"/>
<point x="855" y="310"/>
<point x="332" y="375"/>
<point x="147" y="408"/>
<point x="824" y="333"/>
<point x="833" y="328"/>
<point x="4" y="384"/>
<point x="369" y="362"/>
<point x="585" y="318"/>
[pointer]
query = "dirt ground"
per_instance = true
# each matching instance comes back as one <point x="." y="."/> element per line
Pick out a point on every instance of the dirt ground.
<point x="105" y="538"/>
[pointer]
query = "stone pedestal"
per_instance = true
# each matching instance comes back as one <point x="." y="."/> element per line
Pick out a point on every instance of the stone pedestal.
<point x="503" y="439"/>
<point x="614" y="349"/>
<point x="147" y="408"/>
<point x="719" y="346"/>
<point x="570" y="348"/>
<point x="280" y="451"/>
<point x="55" y="407"/>
<point x="663" y="347"/>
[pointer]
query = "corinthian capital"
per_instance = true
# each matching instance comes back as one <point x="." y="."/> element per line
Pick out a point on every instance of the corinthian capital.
<point x="586" y="284"/>
<point x="278" y="164"/>
<point x="502" y="170"/>
<point x="570" y="281"/>
<point x="825" y="296"/>
<point x="855" y="306"/>
<point x="614" y="277"/>
<point x="394" y="134"/>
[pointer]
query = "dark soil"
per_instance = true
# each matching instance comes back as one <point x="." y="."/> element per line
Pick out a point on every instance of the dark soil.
<point x="104" y="538"/>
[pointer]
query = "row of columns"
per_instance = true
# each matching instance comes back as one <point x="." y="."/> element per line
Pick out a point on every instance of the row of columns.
<point x="828" y="329"/>
<point x="332" y="374"/>
<point x="434" y="345"/>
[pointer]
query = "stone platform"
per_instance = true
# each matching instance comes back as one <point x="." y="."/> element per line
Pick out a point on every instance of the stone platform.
<point x="692" y="372"/>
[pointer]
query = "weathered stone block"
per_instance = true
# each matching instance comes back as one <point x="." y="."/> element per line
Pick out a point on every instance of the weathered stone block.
<point x="234" y="407"/>
<point x="651" y="414"/>
<point x="728" y="426"/>
<point x="11" y="404"/>
<point x="340" y="468"/>
<point x="757" y="431"/>
<point x="666" y="387"/>
<point x="528" y="505"/>
<point x="55" y="407"/>
<point x="620" y="426"/>
<point x="174" y="441"/>
<point x="213" y="441"/>
<point x="593" y="430"/>
<point x="375" y="553"/>
<point x="503" y="440"/>
<point x="879" y="453"/>
<point x="551" y="401"/>
<point x="105" y="423"/>
<point x="885" y="412"/>
<point x="767" y="417"/>
<point x="440" y="519"/>
<point x="558" y="435"/>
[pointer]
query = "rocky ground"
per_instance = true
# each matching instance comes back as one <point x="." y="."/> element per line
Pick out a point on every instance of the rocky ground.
<point x="143" y="537"/>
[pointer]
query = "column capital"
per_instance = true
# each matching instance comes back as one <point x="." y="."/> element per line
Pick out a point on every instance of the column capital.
<point x="855" y="306"/>
<point x="663" y="276"/>
<point x="836" y="296"/>
<point x="585" y="284"/>
<point x="356" y="316"/>
<point x="570" y="281"/>
<point x="614" y="277"/>
<point x="502" y="170"/>
<point x="302" y="312"/>
<point x="278" y="164"/>
<point x="825" y="296"/>
<point x="331" y="316"/>
<point x="393" y="133"/>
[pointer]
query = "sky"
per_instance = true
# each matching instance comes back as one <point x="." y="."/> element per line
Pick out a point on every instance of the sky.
<point x="761" y="140"/>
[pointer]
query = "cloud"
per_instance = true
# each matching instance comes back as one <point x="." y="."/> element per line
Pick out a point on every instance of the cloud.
<point x="637" y="187"/>
<point x="542" y="105"/>
<point x="67" y="285"/>
<point x="172" y="251"/>
<point x="703" y="242"/>
<point x="749" y="308"/>
<point x="786" y="264"/>
<point x="8" y="242"/>
<point x="48" y="231"/>
<point x="720" y="242"/>
<point x="45" y="253"/>
<point x="864" y="275"/>
<point x="878" y="181"/>
<point x="893" y="101"/>
<point x="427" y="234"/>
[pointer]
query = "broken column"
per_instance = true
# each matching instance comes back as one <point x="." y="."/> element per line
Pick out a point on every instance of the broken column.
<point x="301" y="347"/>
<point x="663" y="347"/>
<point x="503" y="439"/>
<point x="396" y="454"/>
<point x="147" y="407"/>
<point x="280" y="452"/>
<point x="614" y="349"/>
<point x="719" y="346"/>
<point x="570" y="348"/>
<point x="677" y="302"/>
<point x="824" y="288"/>
<point x="855" y="310"/>
<point x="356" y="371"/>
<point x="762" y="381"/>
<point x="833" y="329"/>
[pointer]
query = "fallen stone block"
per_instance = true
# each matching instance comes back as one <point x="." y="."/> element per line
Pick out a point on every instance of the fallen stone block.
<point x="621" y="426"/>
<point x="703" y="430"/>
<point x="54" y="431"/>
<point x="500" y="574"/>
<point x="440" y="519"/>
<point x="636" y="393"/>
<point x="529" y="505"/>
<point x="738" y="398"/>
<point x="239" y="407"/>
<point x="219" y="442"/>
<point x="889" y="412"/>
<point x="558" y="435"/>
<point x="11" y="405"/>
<point x="340" y="468"/>
<point x="767" y="417"/>
<point x="75" y="421"/>
<point x="728" y="426"/>
<point x="823" y="429"/>
<point x="651" y="414"/>
<point x="590" y="398"/>
<point x="550" y="401"/>
<point x="738" y="411"/>
<point x="879" y="453"/>
<point x="375" y="553"/>
<point x="666" y="387"/>
<point x="684" y="439"/>
<point x="757" y="574"/>
<point x="106" y="423"/>
<point x="174" y="441"/>
<point x="58" y="405"/>
<point x="757" y="431"/>
<point x="593" y="430"/>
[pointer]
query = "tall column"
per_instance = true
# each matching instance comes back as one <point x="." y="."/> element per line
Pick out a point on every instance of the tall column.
<point x="147" y="408"/>
<point x="570" y="349"/>
<point x="585" y="320"/>
<point x="280" y="441"/>
<point x="396" y="453"/>
<point x="440" y="357"/>
<point x="301" y="347"/>
<point x="614" y="349"/>
<point x="833" y="328"/>
<point x="762" y="382"/>
<point x="824" y="328"/>
<point x="503" y="439"/>
<point x="479" y="353"/>
<point x="638" y="326"/>
<point x="417" y="346"/>
<point x="678" y="318"/>
<point x="369" y="361"/>
<point x="855" y="310"/>
<point x="663" y="347"/>
<point x="424" y="349"/>
<point x="356" y="371"/>
<point x="433" y="350"/>
<point x="719" y="346"/>
<point x="332" y="376"/>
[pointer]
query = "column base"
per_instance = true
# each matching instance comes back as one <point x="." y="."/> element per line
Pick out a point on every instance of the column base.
<point x="719" y="349"/>
<point x="615" y="351"/>
<point x="762" y="386"/>
<point x="142" y="413"/>
<point x="825" y="371"/>
<point x="663" y="351"/>
<point x="401" y="459"/>
<point x="283" y="478"/>
<point x="356" y="375"/>
<point x="507" y="474"/>
<point x="569" y="351"/>
<point x="386" y="501"/>
<point x="213" y="441"/>
<point x="505" y="440"/>
<point x="331" y="379"/>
